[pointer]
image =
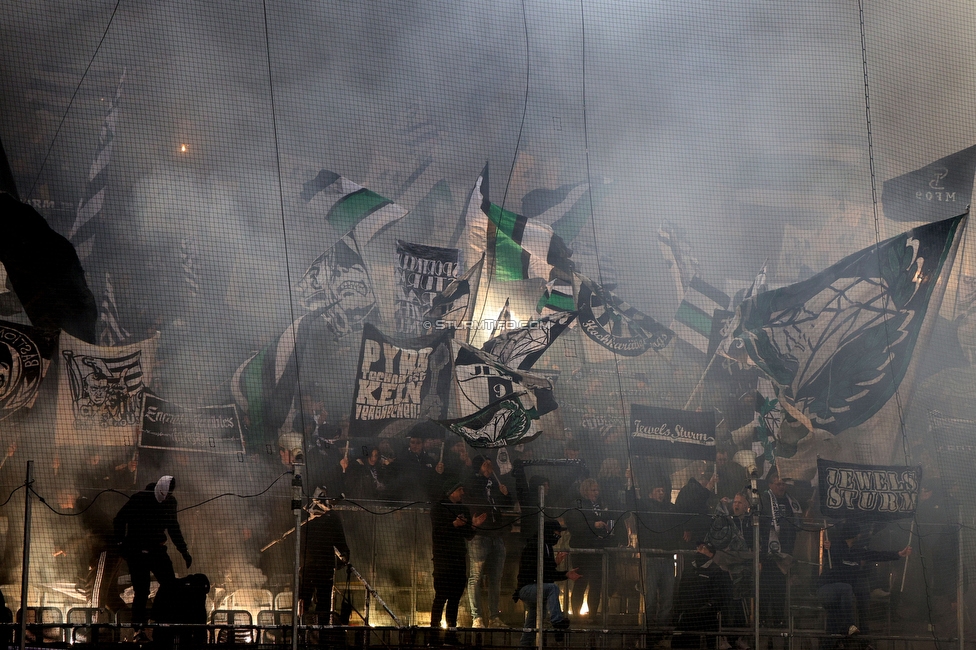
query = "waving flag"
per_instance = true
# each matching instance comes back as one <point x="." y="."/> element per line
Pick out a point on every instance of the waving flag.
<point x="521" y="348"/>
<point x="25" y="355"/>
<point x="112" y="332"/>
<point x="558" y="297"/>
<point x="519" y="248"/>
<point x="83" y="231"/>
<point x="452" y="304"/>
<point x="565" y="209"/>
<point x="938" y="190"/>
<point x="482" y="379"/>
<point x="501" y="423"/>
<point x="337" y="286"/>
<point x="836" y="346"/>
<point x="354" y="208"/>
<point x="615" y="324"/>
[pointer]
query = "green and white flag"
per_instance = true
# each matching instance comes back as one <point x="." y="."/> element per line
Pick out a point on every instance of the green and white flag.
<point x="354" y="209"/>
<point x="836" y="346"/>
<point x="501" y="423"/>
<point x="518" y="248"/>
<point x="558" y="297"/>
<point x="693" y="321"/>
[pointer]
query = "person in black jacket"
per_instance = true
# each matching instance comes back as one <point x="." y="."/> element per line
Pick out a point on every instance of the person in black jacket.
<point x="704" y="591"/>
<point x="591" y="527"/>
<point x="141" y="526"/>
<point x="324" y="547"/>
<point x="451" y="525"/>
<point x="842" y="582"/>
<point x="659" y="527"/>
<point x="527" y="587"/>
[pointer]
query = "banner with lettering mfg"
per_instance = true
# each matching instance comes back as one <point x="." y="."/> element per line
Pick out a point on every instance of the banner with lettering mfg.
<point x="867" y="491"/>
<point x="210" y="429"/>
<point x="671" y="433"/>
<point x="406" y="380"/>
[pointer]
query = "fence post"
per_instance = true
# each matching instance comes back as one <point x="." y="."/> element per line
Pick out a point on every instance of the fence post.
<point x="25" y="564"/>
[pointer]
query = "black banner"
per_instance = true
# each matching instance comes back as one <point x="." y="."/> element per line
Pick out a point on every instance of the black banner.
<point x="25" y="354"/>
<point x="210" y="429"/>
<point x="403" y="381"/>
<point x="671" y="433"/>
<point x="615" y="324"/>
<point x="420" y="274"/>
<point x="867" y="491"/>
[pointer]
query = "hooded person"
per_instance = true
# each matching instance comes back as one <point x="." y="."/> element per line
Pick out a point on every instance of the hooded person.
<point x="141" y="526"/>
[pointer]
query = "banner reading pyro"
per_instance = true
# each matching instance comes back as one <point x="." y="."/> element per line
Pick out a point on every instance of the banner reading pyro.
<point x="867" y="491"/>
<point x="404" y="381"/>
<point x="671" y="433"/>
<point x="210" y="429"/>
<point x="421" y="273"/>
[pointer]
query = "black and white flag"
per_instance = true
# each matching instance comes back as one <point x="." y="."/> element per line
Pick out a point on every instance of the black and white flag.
<point x="671" y="433"/>
<point x="207" y="429"/>
<point x="873" y="492"/>
<point x="111" y="332"/>
<point x="406" y="380"/>
<point x="421" y="274"/>
<point x="521" y="348"/>
<point x="25" y="354"/>
<point x="90" y="206"/>
<point x="338" y="285"/>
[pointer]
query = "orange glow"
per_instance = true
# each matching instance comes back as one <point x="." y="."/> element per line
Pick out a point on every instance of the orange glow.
<point x="182" y="148"/>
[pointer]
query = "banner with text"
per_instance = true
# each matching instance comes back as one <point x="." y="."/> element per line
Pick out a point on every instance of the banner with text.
<point x="421" y="273"/>
<point x="672" y="433"/>
<point x="404" y="381"/>
<point x="210" y="429"/>
<point x="848" y="490"/>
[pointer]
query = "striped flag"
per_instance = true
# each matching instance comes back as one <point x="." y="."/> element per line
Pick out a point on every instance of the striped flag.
<point x="693" y="321"/>
<point x="90" y="206"/>
<point x="558" y="297"/>
<point x="519" y="248"/>
<point x="188" y="254"/>
<point x="264" y="385"/>
<point x="354" y="209"/>
<point x="111" y="333"/>
<point x="565" y="209"/>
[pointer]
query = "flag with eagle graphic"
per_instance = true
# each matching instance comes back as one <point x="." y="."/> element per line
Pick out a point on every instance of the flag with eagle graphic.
<point x="837" y="345"/>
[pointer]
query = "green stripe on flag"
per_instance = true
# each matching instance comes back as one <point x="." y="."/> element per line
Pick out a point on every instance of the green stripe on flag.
<point x="694" y="318"/>
<point x="354" y="207"/>
<point x="509" y="254"/>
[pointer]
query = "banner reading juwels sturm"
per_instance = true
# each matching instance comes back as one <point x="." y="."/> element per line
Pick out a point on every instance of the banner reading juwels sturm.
<point x="671" y="433"/>
<point x="25" y="355"/>
<point x="210" y="429"/>
<point x="100" y="391"/>
<point x="421" y="273"/>
<point x="867" y="491"/>
<point x="399" y="381"/>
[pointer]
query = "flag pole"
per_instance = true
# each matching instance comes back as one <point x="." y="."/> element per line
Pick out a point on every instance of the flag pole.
<point x="907" y="557"/>
<point x="701" y="382"/>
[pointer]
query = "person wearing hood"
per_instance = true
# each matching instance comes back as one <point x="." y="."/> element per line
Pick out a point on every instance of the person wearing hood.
<point x="141" y="526"/>
<point x="527" y="587"/>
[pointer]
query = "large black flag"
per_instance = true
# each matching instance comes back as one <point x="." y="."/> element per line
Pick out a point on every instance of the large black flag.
<point x="939" y="190"/>
<point x="45" y="272"/>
